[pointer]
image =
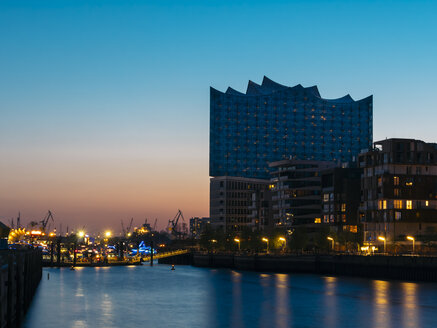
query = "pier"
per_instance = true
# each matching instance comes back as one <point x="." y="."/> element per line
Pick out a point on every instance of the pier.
<point x="20" y="274"/>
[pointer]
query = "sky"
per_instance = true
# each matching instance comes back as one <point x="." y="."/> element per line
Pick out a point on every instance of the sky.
<point x="105" y="104"/>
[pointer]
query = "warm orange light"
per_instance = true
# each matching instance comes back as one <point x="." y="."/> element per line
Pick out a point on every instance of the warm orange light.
<point x="381" y="238"/>
<point x="236" y="240"/>
<point x="330" y="238"/>
<point x="265" y="239"/>
<point x="410" y="238"/>
<point x="36" y="232"/>
<point x="281" y="239"/>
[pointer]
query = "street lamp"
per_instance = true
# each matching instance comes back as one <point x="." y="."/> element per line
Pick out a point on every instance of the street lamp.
<point x="413" y="240"/>
<point x="385" y="242"/>
<point x="237" y="240"/>
<point x="81" y="234"/>
<point x="284" y="241"/>
<point x="266" y="241"/>
<point x="108" y="234"/>
<point x="332" y="242"/>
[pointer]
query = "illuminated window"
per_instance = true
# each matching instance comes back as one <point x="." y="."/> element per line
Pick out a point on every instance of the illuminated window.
<point x="397" y="215"/>
<point x="326" y="197"/>
<point x="343" y="207"/>
<point x="384" y="204"/>
<point x="397" y="203"/>
<point x="409" y="183"/>
<point x="426" y="203"/>
<point x="396" y="181"/>
<point x="409" y="205"/>
<point x="317" y="220"/>
<point x="396" y="192"/>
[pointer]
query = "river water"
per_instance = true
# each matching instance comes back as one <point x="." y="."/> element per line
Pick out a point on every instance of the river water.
<point x="144" y="296"/>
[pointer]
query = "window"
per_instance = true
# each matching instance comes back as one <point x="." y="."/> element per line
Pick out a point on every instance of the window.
<point x="326" y="197"/>
<point x="397" y="216"/>
<point x="384" y="204"/>
<point x="343" y="207"/>
<point x="396" y="181"/>
<point x="396" y="192"/>
<point x="409" y="205"/>
<point x="317" y="220"/>
<point x="426" y="203"/>
<point x="397" y="203"/>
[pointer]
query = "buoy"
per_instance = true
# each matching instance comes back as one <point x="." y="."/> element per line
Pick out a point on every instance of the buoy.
<point x="172" y="267"/>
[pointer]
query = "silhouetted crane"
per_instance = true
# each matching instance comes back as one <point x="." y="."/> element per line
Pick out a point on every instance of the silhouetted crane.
<point x="173" y="224"/>
<point x="46" y="219"/>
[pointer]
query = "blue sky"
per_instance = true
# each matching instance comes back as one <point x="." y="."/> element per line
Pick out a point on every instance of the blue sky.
<point x="105" y="104"/>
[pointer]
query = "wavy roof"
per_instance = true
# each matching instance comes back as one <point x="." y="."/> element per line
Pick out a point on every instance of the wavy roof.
<point x="268" y="87"/>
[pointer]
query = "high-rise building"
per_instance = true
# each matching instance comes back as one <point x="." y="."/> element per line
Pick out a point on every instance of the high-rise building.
<point x="271" y="122"/>
<point x="399" y="190"/>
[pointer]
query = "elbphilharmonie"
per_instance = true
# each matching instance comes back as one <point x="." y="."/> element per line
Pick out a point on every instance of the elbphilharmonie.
<point x="271" y="122"/>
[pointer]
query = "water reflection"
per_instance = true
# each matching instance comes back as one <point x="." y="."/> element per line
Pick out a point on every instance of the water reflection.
<point x="381" y="303"/>
<point x="202" y="298"/>
<point x="236" y="319"/>
<point x="330" y="301"/>
<point x="283" y="310"/>
<point x="410" y="305"/>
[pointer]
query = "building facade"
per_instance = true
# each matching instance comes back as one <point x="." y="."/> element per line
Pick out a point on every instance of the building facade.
<point x="340" y="197"/>
<point x="271" y="122"/>
<point x="238" y="203"/>
<point x="198" y="226"/>
<point x="399" y="190"/>
<point x="296" y="192"/>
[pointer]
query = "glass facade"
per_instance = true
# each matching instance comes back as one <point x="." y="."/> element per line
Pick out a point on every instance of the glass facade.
<point x="272" y="122"/>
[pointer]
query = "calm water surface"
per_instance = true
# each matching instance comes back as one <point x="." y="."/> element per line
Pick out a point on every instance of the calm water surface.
<point x="144" y="296"/>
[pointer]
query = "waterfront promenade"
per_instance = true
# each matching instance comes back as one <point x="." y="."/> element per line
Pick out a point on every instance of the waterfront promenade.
<point x="20" y="274"/>
<point x="414" y="268"/>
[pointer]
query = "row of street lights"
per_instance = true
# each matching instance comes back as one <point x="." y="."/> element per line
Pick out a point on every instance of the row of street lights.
<point x="379" y="238"/>
<point x="264" y="239"/>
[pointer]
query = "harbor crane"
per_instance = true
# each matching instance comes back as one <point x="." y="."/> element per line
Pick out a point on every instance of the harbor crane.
<point x="46" y="220"/>
<point x="127" y="230"/>
<point x="172" y="225"/>
<point x="154" y="226"/>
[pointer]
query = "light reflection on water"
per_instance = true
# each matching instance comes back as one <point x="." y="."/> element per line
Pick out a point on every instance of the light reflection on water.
<point x="197" y="297"/>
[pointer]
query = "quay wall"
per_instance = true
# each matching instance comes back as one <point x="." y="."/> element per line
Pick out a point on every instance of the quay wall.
<point x="412" y="268"/>
<point x="20" y="274"/>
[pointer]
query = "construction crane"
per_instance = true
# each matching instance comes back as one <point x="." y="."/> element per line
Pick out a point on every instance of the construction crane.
<point x="46" y="219"/>
<point x="172" y="226"/>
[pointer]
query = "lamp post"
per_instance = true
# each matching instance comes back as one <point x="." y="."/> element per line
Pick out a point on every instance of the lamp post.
<point x="237" y="240"/>
<point x="266" y="241"/>
<point x="332" y="242"/>
<point x="413" y="240"/>
<point x="284" y="242"/>
<point x="385" y="243"/>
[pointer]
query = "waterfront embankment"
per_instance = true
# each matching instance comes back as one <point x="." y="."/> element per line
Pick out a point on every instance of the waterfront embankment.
<point x="20" y="274"/>
<point x="414" y="268"/>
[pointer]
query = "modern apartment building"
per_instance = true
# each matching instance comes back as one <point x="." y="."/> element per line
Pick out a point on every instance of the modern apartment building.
<point x="340" y="197"/>
<point x="238" y="203"/>
<point x="399" y="189"/>
<point x="296" y="191"/>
